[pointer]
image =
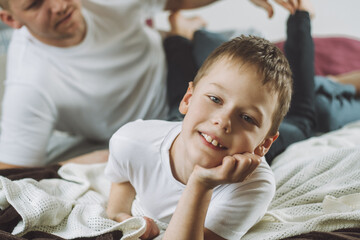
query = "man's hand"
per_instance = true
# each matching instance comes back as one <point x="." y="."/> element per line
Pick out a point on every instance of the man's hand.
<point x="233" y="169"/>
<point x="290" y="5"/>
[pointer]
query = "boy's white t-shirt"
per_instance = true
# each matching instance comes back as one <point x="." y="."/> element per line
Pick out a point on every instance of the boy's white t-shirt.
<point x="139" y="153"/>
<point x="116" y="75"/>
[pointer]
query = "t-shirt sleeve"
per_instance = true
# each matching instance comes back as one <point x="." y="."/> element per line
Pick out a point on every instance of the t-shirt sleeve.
<point x="237" y="207"/>
<point x="27" y="123"/>
<point x="121" y="148"/>
<point x="115" y="170"/>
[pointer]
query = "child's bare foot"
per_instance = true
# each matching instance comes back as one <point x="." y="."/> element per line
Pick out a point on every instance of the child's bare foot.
<point x="352" y="78"/>
<point x="183" y="26"/>
<point x="306" y="5"/>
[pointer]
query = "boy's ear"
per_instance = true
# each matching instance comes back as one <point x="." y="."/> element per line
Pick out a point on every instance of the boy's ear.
<point x="7" y="18"/>
<point x="264" y="147"/>
<point x="184" y="104"/>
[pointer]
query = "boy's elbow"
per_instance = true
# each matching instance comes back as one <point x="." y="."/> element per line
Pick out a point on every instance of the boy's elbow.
<point x="118" y="217"/>
<point x="110" y="214"/>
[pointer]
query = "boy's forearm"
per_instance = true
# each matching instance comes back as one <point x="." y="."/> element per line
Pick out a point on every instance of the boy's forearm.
<point x="189" y="217"/>
<point x="120" y="201"/>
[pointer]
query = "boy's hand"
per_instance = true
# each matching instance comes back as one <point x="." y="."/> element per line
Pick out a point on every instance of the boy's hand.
<point x="233" y="169"/>
<point x="152" y="229"/>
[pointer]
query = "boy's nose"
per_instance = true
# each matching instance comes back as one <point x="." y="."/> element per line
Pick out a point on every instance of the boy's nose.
<point x="57" y="6"/>
<point x="223" y="121"/>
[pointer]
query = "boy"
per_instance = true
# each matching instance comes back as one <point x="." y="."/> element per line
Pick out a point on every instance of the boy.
<point x="227" y="129"/>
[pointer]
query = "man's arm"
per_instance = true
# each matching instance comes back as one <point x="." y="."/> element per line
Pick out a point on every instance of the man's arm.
<point x="5" y="166"/>
<point x="174" y="5"/>
<point x="26" y="126"/>
<point x="98" y="156"/>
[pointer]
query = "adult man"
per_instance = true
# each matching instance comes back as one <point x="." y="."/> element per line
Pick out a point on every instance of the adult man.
<point x="82" y="67"/>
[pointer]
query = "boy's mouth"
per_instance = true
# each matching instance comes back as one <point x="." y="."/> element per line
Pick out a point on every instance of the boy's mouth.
<point x="212" y="141"/>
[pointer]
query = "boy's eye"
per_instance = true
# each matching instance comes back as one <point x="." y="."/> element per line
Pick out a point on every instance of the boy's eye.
<point x="33" y="4"/>
<point x="214" y="99"/>
<point x="248" y="119"/>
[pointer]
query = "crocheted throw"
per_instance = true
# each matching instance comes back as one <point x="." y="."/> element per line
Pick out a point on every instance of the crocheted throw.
<point x="318" y="185"/>
<point x="71" y="207"/>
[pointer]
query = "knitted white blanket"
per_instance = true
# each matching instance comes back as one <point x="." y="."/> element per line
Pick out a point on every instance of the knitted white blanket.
<point x="318" y="185"/>
<point x="71" y="207"/>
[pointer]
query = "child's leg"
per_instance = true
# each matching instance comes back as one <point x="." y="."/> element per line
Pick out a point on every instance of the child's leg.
<point x="336" y="104"/>
<point x="351" y="78"/>
<point x="185" y="51"/>
<point x="299" y="50"/>
<point x="204" y="43"/>
<point x="181" y="70"/>
<point x="300" y="122"/>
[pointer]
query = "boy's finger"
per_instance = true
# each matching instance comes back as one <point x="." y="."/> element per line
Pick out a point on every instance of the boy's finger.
<point x="254" y="164"/>
<point x="228" y="165"/>
<point x="247" y="164"/>
<point x="243" y="164"/>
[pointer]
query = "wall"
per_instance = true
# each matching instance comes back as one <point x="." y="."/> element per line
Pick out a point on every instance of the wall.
<point x="333" y="18"/>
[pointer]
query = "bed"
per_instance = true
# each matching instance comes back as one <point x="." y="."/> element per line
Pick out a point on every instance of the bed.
<point x="318" y="183"/>
<point x="317" y="197"/>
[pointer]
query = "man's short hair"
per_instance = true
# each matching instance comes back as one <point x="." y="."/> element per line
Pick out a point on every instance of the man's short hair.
<point x="271" y="63"/>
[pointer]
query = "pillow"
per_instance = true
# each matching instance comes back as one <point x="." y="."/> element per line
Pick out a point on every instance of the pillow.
<point x="334" y="55"/>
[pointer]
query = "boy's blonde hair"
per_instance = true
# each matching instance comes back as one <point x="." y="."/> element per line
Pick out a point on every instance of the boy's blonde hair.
<point x="270" y="62"/>
<point x="4" y="4"/>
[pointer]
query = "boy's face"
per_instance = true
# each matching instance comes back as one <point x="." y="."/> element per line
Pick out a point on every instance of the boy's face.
<point x="48" y="19"/>
<point x="228" y="112"/>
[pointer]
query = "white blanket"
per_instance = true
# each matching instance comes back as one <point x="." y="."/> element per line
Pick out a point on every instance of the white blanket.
<point x="318" y="185"/>
<point x="70" y="207"/>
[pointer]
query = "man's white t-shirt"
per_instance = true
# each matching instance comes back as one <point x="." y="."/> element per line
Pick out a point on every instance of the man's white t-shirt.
<point x="139" y="154"/>
<point x="116" y="75"/>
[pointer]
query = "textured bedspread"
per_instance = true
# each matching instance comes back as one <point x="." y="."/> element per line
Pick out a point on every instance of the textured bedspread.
<point x="72" y="206"/>
<point x="318" y="189"/>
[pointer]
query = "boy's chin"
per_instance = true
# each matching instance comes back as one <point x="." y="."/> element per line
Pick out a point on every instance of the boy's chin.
<point x="213" y="163"/>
